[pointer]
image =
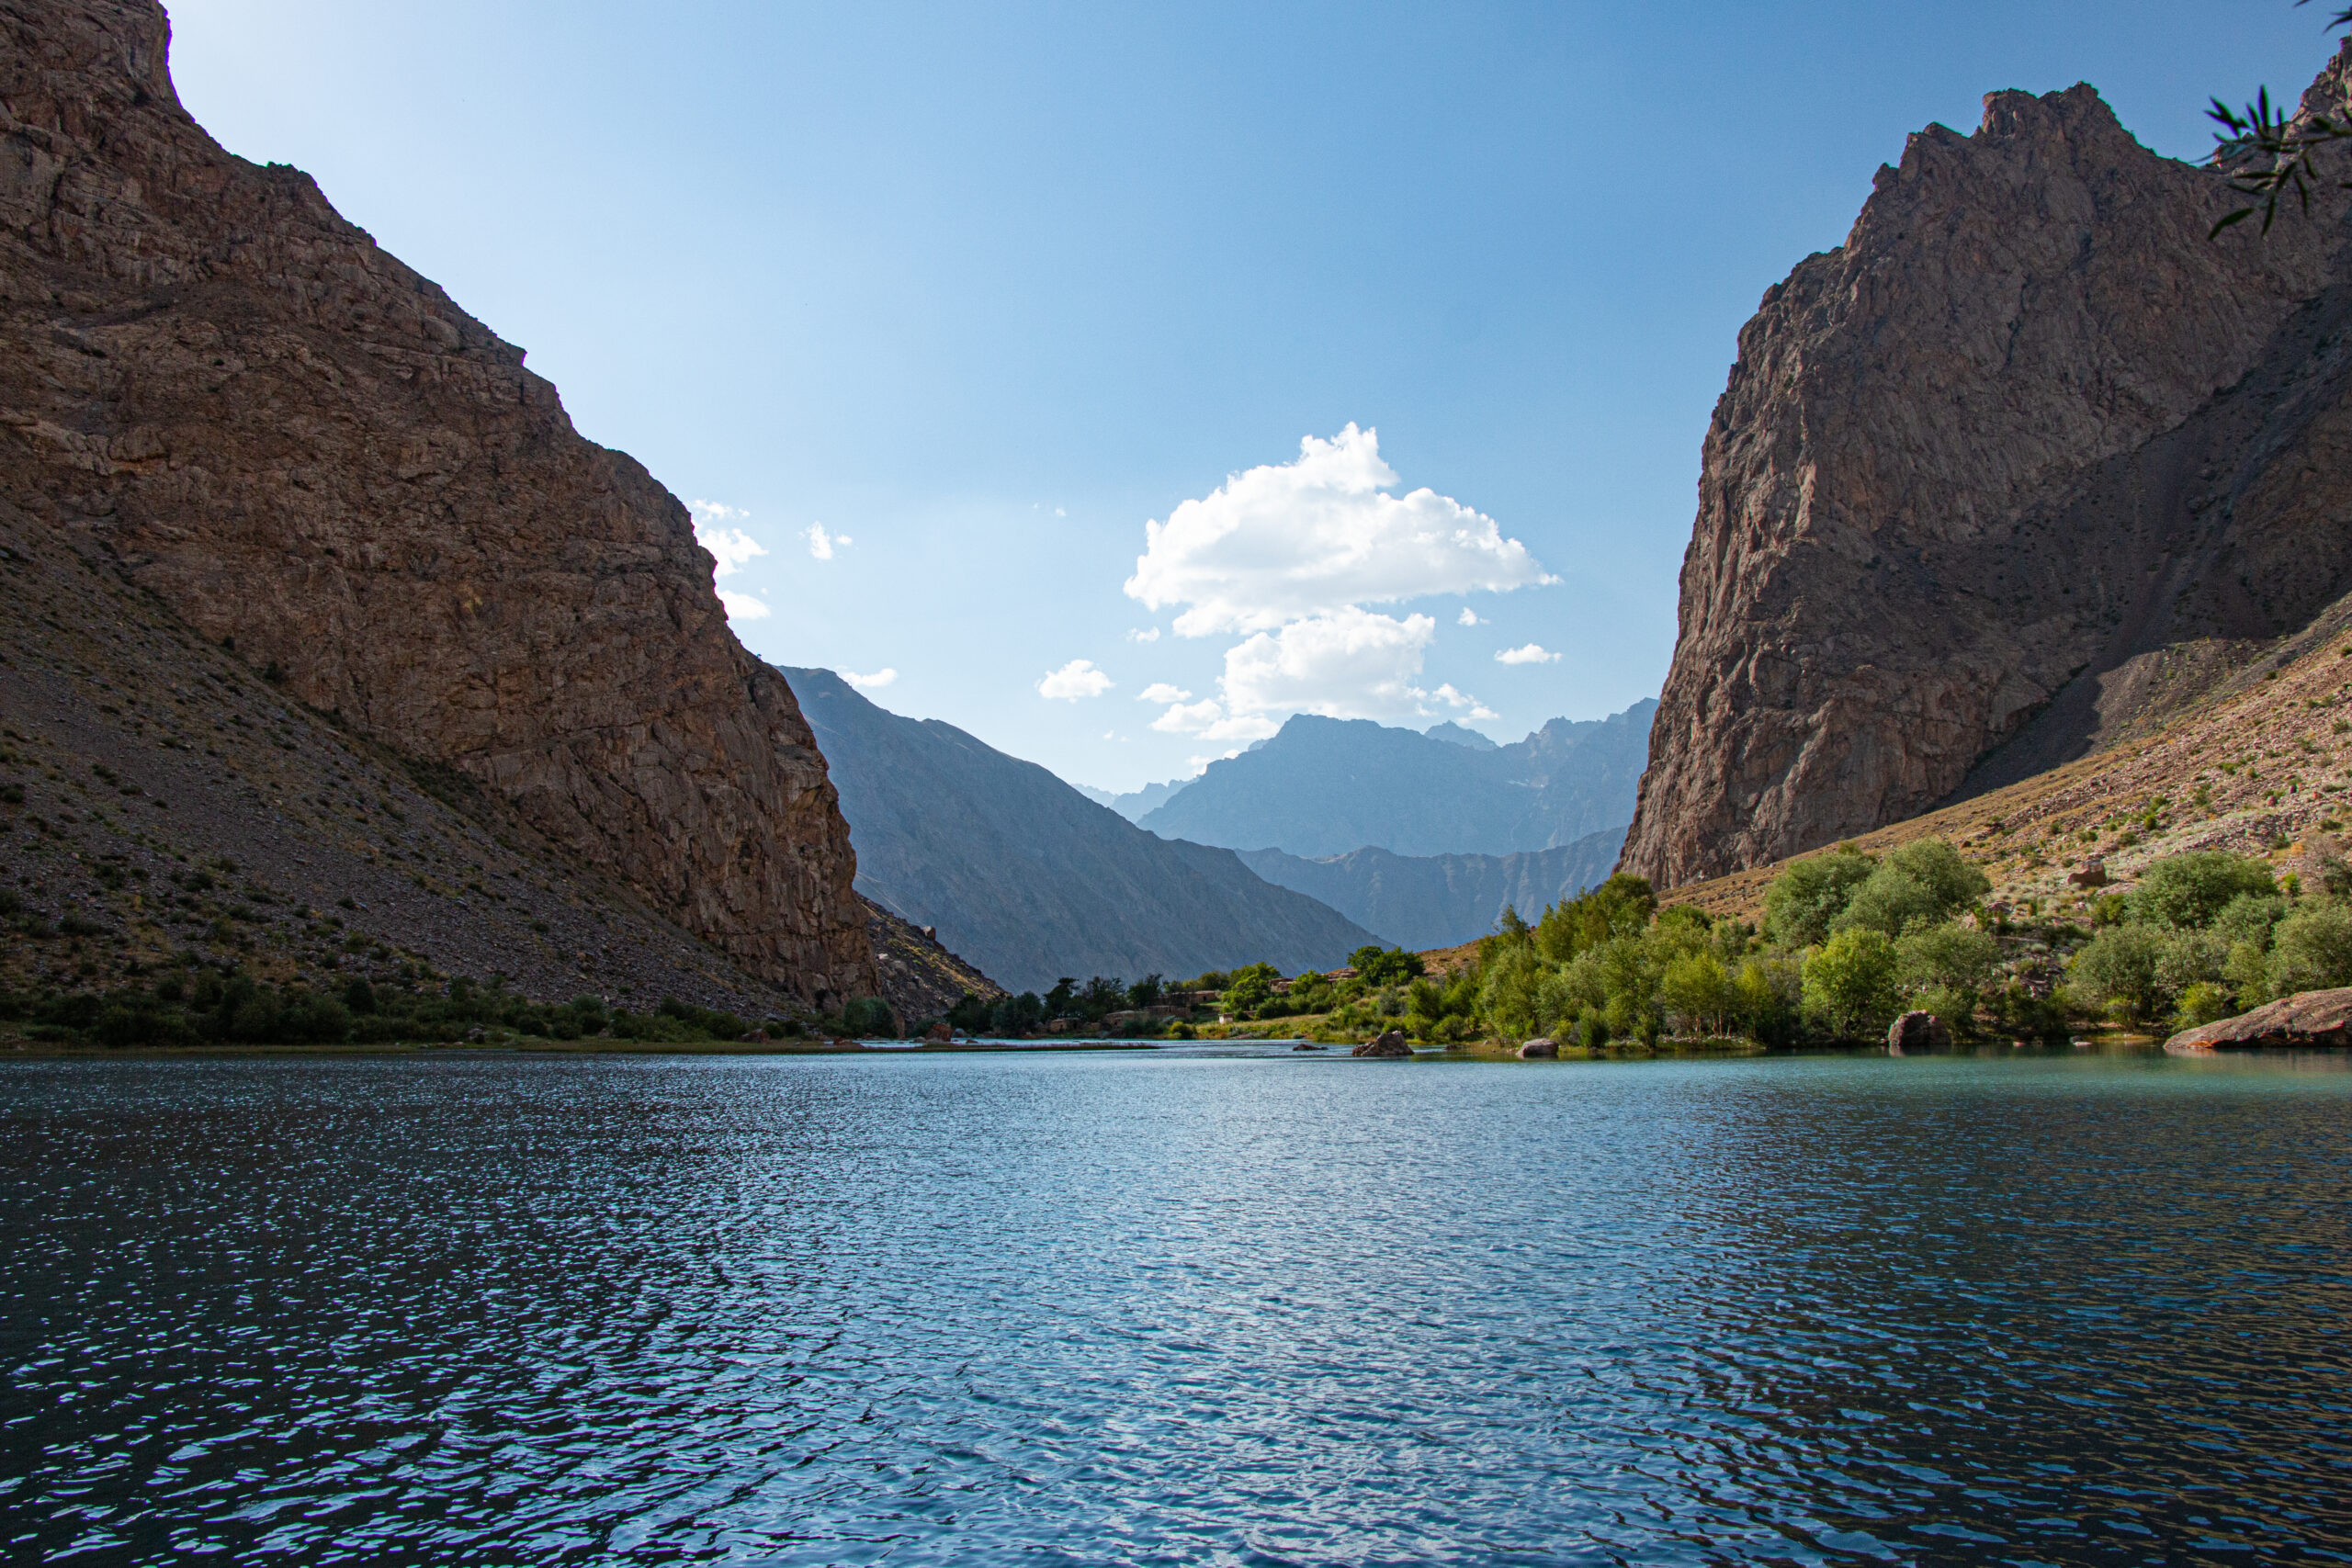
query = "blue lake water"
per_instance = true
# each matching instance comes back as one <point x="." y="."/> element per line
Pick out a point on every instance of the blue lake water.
<point x="1248" y="1308"/>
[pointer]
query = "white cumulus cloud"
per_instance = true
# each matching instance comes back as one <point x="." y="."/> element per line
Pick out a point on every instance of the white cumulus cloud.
<point x="1143" y="633"/>
<point x="741" y="606"/>
<point x="1161" y="691"/>
<point x="822" y="545"/>
<point x="1533" y="653"/>
<point x="1283" y="542"/>
<point x="1469" y="617"/>
<point x="1349" y="664"/>
<point x="1077" y="679"/>
<point x="730" y="548"/>
<point x="873" y="682"/>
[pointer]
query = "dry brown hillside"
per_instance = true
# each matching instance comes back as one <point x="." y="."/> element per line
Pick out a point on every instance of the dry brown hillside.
<point x="159" y="798"/>
<point x="2261" y="766"/>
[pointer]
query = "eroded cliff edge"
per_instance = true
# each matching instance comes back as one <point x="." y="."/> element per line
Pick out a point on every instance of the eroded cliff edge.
<point x="297" y="443"/>
<point x="2026" y="461"/>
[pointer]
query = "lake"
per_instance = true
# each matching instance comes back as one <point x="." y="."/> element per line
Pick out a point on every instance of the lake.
<point x="1226" y="1306"/>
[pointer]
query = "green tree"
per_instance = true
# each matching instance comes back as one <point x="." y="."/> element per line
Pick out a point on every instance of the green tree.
<point x="1850" y="982"/>
<point x="1811" y="892"/>
<point x="1623" y="906"/>
<point x="1062" y="998"/>
<point x="1393" y="968"/>
<point x="1250" y="987"/>
<point x="2118" y="970"/>
<point x="1951" y="959"/>
<point x="1920" y="883"/>
<point x="2312" y="950"/>
<point x="1145" y="992"/>
<point x="1696" y="991"/>
<point x="2190" y="890"/>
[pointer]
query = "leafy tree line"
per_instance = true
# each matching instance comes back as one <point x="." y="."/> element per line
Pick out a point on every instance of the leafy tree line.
<point x="189" y="1003"/>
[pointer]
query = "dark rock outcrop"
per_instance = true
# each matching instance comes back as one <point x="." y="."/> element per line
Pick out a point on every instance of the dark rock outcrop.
<point x="2025" y="463"/>
<point x="1392" y="1043"/>
<point x="300" y="445"/>
<point x="1538" y="1049"/>
<point x="1030" y="879"/>
<point x="1325" y="786"/>
<point x="2307" y="1019"/>
<point x="1918" y="1032"/>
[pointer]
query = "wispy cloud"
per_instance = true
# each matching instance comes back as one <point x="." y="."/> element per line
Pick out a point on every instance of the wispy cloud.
<point x="1077" y="679"/>
<point x="743" y="606"/>
<point x="873" y="682"/>
<point x="1532" y="653"/>
<point x="1469" y="617"/>
<point x="822" y="545"/>
<point x="1143" y="633"/>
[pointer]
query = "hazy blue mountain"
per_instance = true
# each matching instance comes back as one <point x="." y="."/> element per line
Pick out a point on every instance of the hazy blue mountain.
<point x="1137" y="803"/>
<point x="1324" y="786"/>
<point x="1027" y="878"/>
<point x="1461" y="735"/>
<point x="1424" y="901"/>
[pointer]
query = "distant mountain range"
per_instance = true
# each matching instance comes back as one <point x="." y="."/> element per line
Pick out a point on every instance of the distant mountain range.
<point x="1425" y="901"/>
<point x="1327" y="786"/>
<point x="1025" y="877"/>
<point x="1135" y="803"/>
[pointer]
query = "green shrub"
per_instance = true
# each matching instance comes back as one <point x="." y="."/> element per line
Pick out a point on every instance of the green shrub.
<point x="1948" y="959"/>
<point x="2201" y="1003"/>
<point x="2117" y="970"/>
<point x="2190" y="890"/>
<point x="1809" y="893"/>
<point x="869" y="1018"/>
<point x="2312" y="950"/>
<point x="1850" y="982"/>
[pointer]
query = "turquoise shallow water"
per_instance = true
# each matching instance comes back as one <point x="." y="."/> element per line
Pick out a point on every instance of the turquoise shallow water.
<point x="1250" y="1309"/>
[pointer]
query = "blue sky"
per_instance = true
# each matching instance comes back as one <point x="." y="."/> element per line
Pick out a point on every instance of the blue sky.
<point x="986" y="290"/>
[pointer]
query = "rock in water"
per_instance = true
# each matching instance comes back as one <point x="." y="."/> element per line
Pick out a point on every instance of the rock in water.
<point x="1538" y="1047"/>
<point x="1392" y="1043"/>
<point x="1977" y="470"/>
<point x="300" y="443"/>
<point x="2307" y="1018"/>
<point x="1918" y="1032"/>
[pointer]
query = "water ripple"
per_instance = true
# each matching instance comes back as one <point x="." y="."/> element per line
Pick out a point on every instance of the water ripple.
<point x="1162" y="1309"/>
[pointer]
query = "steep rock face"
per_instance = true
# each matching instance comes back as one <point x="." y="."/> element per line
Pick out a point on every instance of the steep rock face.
<point x="2026" y="460"/>
<point x="300" y="443"/>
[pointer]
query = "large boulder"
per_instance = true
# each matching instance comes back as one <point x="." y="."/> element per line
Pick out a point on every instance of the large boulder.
<point x="1918" y="1032"/>
<point x="2306" y="1018"/>
<point x="1538" y="1047"/>
<point x="1392" y="1043"/>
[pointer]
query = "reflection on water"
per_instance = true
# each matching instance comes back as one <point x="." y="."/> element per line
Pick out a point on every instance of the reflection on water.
<point x="1208" y="1306"/>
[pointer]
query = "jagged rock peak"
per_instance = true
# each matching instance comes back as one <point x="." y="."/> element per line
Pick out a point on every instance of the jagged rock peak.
<point x="300" y="443"/>
<point x="1941" y="501"/>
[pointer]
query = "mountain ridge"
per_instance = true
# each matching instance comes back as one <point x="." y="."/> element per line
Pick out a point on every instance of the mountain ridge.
<point x="1325" y="786"/>
<point x="1029" y="879"/>
<point x="2027" y="463"/>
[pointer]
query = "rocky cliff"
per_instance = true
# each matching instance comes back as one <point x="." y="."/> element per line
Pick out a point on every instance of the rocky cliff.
<point x="2024" y="465"/>
<point x="312" y="455"/>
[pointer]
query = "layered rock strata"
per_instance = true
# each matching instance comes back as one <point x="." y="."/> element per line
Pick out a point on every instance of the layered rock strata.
<point x="309" y="453"/>
<point x="2025" y="465"/>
